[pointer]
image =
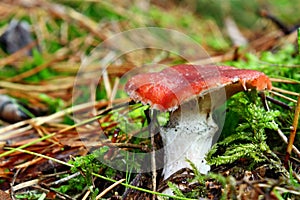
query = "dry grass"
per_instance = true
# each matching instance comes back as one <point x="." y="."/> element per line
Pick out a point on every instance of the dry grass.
<point x="49" y="135"/>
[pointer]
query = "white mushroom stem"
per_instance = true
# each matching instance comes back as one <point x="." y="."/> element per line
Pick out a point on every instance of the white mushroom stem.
<point x="188" y="135"/>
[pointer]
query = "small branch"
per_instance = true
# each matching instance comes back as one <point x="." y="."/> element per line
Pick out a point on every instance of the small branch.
<point x="34" y="88"/>
<point x="17" y="55"/>
<point x="25" y="184"/>
<point x="152" y="128"/>
<point x="86" y="195"/>
<point x="109" y="188"/>
<point x="282" y="96"/>
<point x="293" y="133"/>
<point x="280" y="80"/>
<point x="280" y="103"/>
<point x="284" y="138"/>
<point x="285" y="91"/>
<point x="285" y="29"/>
<point x="59" y="194"/>
<point x="37" y="69"/>
<point x="62" y="180"/>
<point x="19" y="127"/>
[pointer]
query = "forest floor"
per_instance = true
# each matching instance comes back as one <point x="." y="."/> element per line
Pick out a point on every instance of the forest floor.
<point x="68" y="129"/>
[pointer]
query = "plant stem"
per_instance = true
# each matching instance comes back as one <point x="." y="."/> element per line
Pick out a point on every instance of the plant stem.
<point x="293" y="133"/>
<point x="26" y="145"/>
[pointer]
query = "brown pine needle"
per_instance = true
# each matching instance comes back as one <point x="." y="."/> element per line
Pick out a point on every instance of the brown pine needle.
<point x="109" y="188"/>
<point x="28" y="163"/>
<point x="25" y="184"/>
<point x="279" y="80"/>
<point x="283" y="96"/>
<point x="19" y="127"/>
<point x="17" y="55"/>
<point x="285" y="139"/>
<point x="86" y="195"/>
<point x="114" y="91"/>
<point x="293" y="133"/>
<point x="34" y="88"/>
<point x="35" y="70"/>
<point x="285" y="91"/>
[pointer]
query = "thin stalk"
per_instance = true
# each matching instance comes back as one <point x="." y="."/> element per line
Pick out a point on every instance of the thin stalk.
<point x="152" y="127"/>
<point x="293" y="133"/>
<point x="20" y="148"/>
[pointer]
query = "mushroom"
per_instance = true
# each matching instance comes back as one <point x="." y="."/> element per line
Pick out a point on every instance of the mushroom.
<point x="190" y="93"/>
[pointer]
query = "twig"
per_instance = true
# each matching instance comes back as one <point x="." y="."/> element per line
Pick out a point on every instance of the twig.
<point x="86" y="195"/>
<point x="283" y="190"/>
<point x="279" y="80"/>
<point x="13" y="181"/>
<point x="64" y="179"/>
<point x="9" y="131"/>
<point x="152" y="129"/>
<point x="119" y="145"/>
<point x="280" y="103"/>
<point x="266" y="42"/>
<point x="285" y="29"/>
<point x="26" y="145"/>
<point x="114" y="91"/>
<point x="113" y="70"/>
<point x="109" y="188"/>
<point x="59" y="194"/>
<point x="35" y="88"/>
<point x="296" y="176"/>
<point x="215" y="59"/>
<point x="17" y="55"/>
<point x="282" y="96"/>
<point x="36" y="69"/>
<point x="106" y="81"/>
<point x="28" y="163"/>
<point x="25" y="184"/>
<point x="293" y="134"/>
<point x="285" y="91"/>
<point x="284" y="138"/>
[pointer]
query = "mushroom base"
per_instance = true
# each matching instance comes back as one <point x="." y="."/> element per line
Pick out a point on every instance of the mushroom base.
<point x="188" y="135"/>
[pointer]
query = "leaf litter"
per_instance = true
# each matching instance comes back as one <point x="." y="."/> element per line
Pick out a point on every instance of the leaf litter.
<point x="47" y="82"/>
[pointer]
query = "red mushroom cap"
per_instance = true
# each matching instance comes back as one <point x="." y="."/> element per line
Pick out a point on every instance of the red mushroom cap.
<point x="167" y="89"/>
